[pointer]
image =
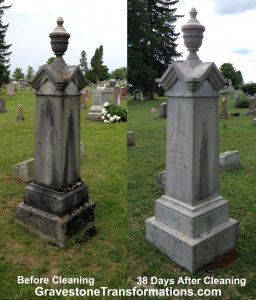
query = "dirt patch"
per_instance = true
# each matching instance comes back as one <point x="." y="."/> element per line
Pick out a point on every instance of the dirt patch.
<point x="23" y="259"/>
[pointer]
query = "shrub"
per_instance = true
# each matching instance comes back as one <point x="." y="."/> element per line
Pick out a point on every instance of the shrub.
<point x="242" y="102"/>
<point x="112" y="113"/>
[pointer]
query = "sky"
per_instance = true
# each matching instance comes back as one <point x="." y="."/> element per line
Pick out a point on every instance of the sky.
<point x="229" y="32"/>
<point x="229" y="36"/>
<point x="90" y="23"/>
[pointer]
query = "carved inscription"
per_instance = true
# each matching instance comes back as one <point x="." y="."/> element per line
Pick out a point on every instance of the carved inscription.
<point x="179" y="144"/>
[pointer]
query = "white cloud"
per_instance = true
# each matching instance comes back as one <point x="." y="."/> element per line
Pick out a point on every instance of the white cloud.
<point x="234" y="6"/>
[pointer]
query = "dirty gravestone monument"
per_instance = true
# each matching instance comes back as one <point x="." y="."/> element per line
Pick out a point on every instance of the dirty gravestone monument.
<point x="223" y="112"/>
<point x="56" y="204"/>
<point x="191" y="223"/>
<point x="20" y="116"/>
<point x="2" y="106"/>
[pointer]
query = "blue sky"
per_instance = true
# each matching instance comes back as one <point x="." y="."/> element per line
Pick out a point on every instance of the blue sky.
<point x="91" y="23"/>
<point x="229" y="34"/>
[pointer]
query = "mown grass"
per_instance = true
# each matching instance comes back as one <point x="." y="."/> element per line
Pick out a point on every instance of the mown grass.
<point x="238" y="186"/>
<point x="103" y="169"/>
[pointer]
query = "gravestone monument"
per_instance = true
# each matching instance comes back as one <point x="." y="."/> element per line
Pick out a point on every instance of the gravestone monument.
<point x="251" y="107"/>
<point x="191" y="223"/>
<point x="163" y="110"/>
<point x="56" y="204"/>
<point x="84" y="100"/>
<point x="10" y="89"/>
<point x="223" y="113"/>
<point x="20" y="116"/>
<point x="117" y="95"/>
<point x="2" y="106"/>
<point x="99" y="97"/>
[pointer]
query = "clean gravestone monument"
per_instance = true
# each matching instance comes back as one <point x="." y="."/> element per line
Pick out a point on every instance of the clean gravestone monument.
<point x="191" y="223"/>
<point x="56" y="204"/>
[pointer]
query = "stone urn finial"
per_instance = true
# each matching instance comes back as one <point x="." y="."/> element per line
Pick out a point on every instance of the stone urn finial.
<point x="193" y="37"/>
<point x="59" y="39"/>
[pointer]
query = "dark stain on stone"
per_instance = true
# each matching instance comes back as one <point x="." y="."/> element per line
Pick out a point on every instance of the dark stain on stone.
<point x="70" y="154"/>
<point x="203" y="165"/>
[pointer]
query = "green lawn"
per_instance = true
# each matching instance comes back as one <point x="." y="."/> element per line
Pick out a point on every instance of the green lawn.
<point x="238" y="186"/>
<point x="103" y="169"/>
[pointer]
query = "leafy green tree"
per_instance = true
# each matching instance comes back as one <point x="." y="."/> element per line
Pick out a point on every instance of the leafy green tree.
<point x="104" y="73"/>
<point x="30" y="73"/>
<point x="91" y="76"/>
<point x="18" y="74"/>
<point x="229" y="72"/>
<point x="120" y="73"/>
<point x="151" y="42"/>
<point x="240" y="79"/>
<point x="50" y="60"/>
<point x="4" y="48"/>
<point x="97" y="62"/>
<point x="83" y="62"/>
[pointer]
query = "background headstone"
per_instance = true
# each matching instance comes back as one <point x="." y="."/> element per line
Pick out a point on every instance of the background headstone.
<point x="10" y="89"/>
<point x="20" y="116"/>
<point x="2" y="106"/>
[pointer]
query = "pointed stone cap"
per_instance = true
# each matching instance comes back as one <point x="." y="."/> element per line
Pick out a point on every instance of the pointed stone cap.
<point x="59" y="39"/>
<point x="193" y="37"/>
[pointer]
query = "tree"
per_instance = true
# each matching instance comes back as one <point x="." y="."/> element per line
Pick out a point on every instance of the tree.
<point x="229" y="72"/>
<point x="50" y="60"/>
<point x="30" y="73"/>
<point x="151" y="42"/>
<point x="97" y="62"/>
<point x="18" y="74"/>
<point x="104" y="73"/>
<point x="83" y="62"/>
<point x="239" y="77"/>
<point x="4" y="48"/>
<point x="120" y="73"/>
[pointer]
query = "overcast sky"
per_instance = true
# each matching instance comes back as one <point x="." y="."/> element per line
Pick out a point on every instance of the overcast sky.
<point x="229" y="36"/>
<point x="91" y="23"/>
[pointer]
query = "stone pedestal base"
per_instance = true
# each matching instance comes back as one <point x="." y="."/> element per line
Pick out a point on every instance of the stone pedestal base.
<point x="94" y="113"/>
<point x="56" y="216"/>
<point x="193" y="253"/>
<point x="53" y="228"/>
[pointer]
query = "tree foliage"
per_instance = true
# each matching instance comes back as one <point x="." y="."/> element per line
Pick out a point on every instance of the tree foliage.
<point x="50" y="60"/>
<point x="151" y="42"/>
<point x="18" y="74"/>
<point x="97" y="62"/>
<point x="98" y="71"/>
<point x="4" y="48"/>
<point x="249" y="88"/>
<point x="120" y="73"/>
<point x="30" y="73"/>
<point x="83" y="62"/>
<point x="229" y="72"/>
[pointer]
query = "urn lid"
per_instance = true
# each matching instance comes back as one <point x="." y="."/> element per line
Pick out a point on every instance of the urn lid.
<point x="59" y="38"/>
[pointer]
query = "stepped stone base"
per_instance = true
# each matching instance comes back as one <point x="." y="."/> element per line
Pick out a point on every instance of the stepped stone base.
<point x="193" y="253"/>
<point x="53" y="228"/>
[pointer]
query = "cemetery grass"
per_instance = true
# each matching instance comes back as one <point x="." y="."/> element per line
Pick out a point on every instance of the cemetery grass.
<point x="237" y="186"/>
<point x="103" y="168"/>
